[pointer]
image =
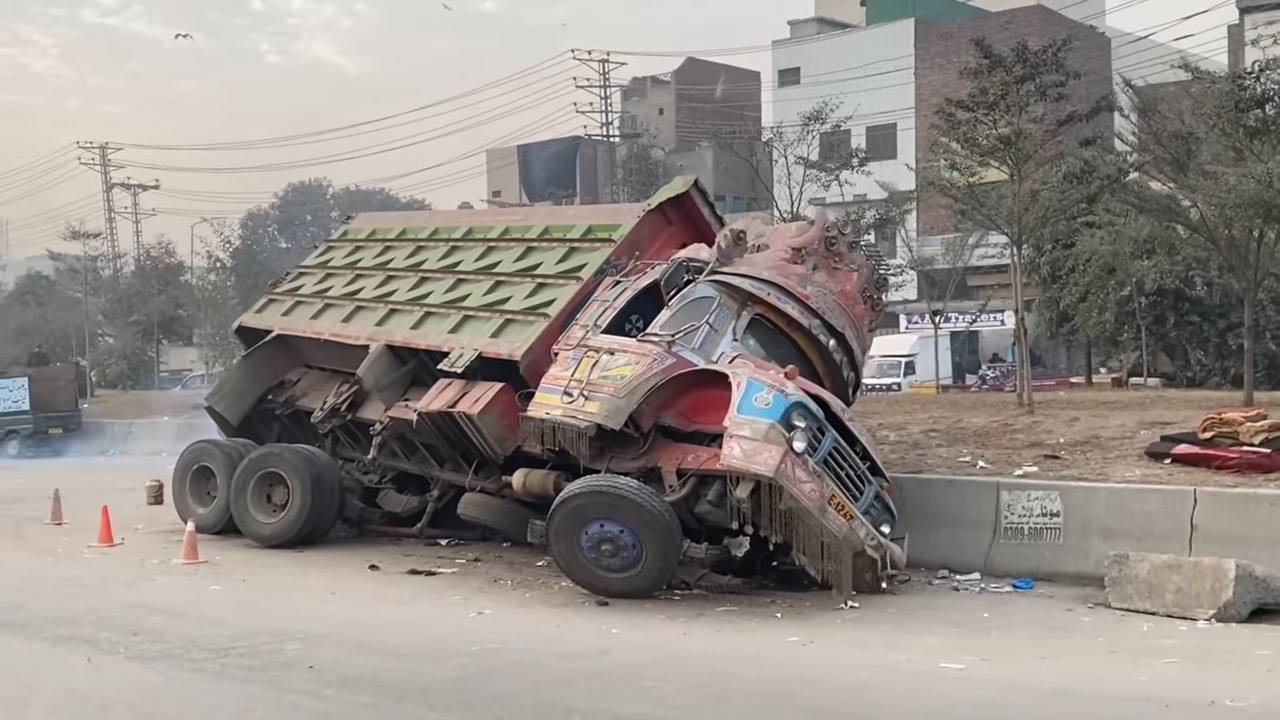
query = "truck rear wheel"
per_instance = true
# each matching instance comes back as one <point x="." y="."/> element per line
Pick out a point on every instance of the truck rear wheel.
<point x="274" y="495"/>
<point x="202" y="485"/>
<point x="328" y="480"/>
<point x="614" y="536"/>
<point x="12" y="446"/>
<point x="508" y="518"/>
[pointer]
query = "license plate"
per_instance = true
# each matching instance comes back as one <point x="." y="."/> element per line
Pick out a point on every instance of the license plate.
<point x="837" y="503"/>
<point x="55" y="431"/>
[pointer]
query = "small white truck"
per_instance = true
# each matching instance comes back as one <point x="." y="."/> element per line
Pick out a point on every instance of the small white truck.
<point x="898" y="362"/>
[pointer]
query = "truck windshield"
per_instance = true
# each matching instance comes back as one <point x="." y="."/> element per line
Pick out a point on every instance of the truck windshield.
<point x="883" y="369"/>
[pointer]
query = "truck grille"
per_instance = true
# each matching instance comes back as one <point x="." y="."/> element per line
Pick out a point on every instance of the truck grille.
<point x="832" y="455"/>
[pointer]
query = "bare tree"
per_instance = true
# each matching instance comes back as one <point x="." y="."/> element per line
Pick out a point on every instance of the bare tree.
<point x="801" y="161"/>
<point x="939" y="265"/>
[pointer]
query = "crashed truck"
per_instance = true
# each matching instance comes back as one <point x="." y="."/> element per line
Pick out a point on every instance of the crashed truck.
<point x="656" y="396"/>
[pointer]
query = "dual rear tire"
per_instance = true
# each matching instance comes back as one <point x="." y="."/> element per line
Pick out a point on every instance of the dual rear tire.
<point x="275" y="495"/>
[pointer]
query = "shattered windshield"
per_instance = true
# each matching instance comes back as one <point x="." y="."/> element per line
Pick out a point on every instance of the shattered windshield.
<point x="883" y="370"/>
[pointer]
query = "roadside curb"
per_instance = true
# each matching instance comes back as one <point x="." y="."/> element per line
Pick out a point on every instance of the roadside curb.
<point x="1063" y="530"/>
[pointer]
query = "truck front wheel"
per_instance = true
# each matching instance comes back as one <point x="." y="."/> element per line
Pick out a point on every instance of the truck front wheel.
<point x="614" y="536"/>
<point x="277" y="495"/>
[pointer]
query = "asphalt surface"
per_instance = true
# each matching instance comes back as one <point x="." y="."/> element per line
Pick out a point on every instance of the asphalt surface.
<point x="124" y="633"/>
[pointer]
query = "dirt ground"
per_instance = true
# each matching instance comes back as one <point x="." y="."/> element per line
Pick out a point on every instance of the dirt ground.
<point x="1092" y="435"/>
<point x="145" y="405"/>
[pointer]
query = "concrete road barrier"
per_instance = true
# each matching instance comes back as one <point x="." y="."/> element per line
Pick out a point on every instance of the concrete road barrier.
<point x="1015" y="527"/>
<point x="1242" y="524"/>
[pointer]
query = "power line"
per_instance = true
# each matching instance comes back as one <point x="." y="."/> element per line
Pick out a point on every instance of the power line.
<point x="244" y="144"/>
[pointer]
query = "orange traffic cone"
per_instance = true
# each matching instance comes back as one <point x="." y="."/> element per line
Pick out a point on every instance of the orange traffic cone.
<point x="55" y="510"/>
<point x="105" y="538"/>
<point x="190" y="551"/>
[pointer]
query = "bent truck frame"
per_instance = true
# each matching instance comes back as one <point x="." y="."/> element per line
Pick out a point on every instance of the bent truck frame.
<point x="641" y="387"/>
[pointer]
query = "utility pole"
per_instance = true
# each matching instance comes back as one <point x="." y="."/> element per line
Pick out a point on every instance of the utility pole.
<point x="602" y="109"/>
<point x="4" y="248"/>
<point x="134" y="190"/>
<point x="98" y="158"/>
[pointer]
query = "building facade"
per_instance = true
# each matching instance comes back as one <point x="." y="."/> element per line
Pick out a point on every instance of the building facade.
<point x="892" y="63"/>
<point x="704" y="118"/>
<point x="560" y="171"/>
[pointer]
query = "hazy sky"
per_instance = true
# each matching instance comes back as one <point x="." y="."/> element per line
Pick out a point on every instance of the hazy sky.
<point x="111" y="70"/>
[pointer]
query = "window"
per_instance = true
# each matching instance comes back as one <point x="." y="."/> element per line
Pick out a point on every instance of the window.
<point x="662" y="111"/>
<point x="765" y="340"/>
<point x="887" y="241"/>
<point x="495" y="194"/>
<point x="909" y="369"/>
<point x="788" y="77"/>
<point x="693" y="312"/>
<point x="835" y="145"/>
<point x="882" y="142"/>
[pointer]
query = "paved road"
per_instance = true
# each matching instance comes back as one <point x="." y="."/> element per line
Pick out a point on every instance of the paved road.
<point x="261" y="634"/>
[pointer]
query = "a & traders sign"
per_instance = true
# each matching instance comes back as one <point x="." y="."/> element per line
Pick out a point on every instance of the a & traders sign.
<point x="961" y="320"/>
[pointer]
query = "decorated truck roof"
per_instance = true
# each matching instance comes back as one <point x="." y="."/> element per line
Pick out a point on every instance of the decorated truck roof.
<point x="500" y="283"/>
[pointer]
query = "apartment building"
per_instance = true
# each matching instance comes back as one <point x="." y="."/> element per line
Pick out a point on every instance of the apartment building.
<point x="705" y="118"/>
<point x="891" y="63"/>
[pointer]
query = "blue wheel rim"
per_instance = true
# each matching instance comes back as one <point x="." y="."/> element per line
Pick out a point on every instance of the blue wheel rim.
<point x="610" y="547"/>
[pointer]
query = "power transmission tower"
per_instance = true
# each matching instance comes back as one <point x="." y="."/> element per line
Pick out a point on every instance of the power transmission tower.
<point x="98" y="159"/>
<point x="134" y="189"/>
<point x="602" y="109"/>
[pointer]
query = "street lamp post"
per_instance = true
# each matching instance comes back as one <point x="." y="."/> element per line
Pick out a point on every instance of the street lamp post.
<point x="191" y="261"/>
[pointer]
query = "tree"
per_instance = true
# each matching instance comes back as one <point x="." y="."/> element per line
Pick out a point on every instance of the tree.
<point x="640" y="171"/>
<point x="1209" y="151"/>
<point x="38" y="311"/>
<point x="939" y="269"/>
<point x="799" y="161"/>
<point x="1018" y="156"/>
<point x="274" y="238"/>
<point x="215" y="306"/>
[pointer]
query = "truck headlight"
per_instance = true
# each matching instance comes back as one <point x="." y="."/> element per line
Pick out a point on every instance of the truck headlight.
<point x="799" y="441"/>
<point x="799" y="419"/>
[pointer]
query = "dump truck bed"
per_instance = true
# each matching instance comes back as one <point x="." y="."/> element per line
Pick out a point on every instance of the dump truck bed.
<point x="500" y="283"/>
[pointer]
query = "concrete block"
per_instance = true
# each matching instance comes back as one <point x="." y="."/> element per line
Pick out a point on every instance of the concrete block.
<point x="1241" y="524"/>
<point x="1191" y="588"/>
<point x="950" y="521"/>
<point x="1065" y="530"/>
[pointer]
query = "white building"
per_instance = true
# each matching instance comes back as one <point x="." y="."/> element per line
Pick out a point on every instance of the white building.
<point x="871" y="72"/>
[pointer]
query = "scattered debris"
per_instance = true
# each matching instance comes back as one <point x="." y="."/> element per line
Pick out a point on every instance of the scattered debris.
<point x="792" y="639"/>
<point x="951" y="666"/>
<point x="450" y="542"/>
<point x="374" y="568"/>
<point x="968" y="577"/>
<point x="479" y="613"/>
<point x="848" y="605"/>
<point x="1169" y="661"/>
<point x="430" y="572"/>
<point x="602" y="602"/>
<point x="1023" y="584"/>
<point x="982" y="465"/>
<point x="998" y="588"/>
<point x="726" y="608"/>
<point x="541" y="563"/>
